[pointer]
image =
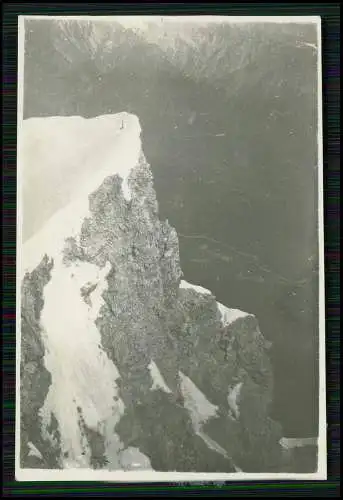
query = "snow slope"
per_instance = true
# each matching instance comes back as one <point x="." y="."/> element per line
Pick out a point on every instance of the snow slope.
<point x="83" y="377"/>
<point x="104" y="149"/>
<point x="67" y="157"/>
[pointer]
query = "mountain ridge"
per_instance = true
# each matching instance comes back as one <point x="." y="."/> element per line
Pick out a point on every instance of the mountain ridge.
<point x="111" y="305"/>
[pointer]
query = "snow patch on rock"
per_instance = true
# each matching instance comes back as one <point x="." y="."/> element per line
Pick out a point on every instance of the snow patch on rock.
<point x="33" y="451"/>
<point x="199" y="407"/>
<point x="185" y="285"/>
<point x="228" y="315"/>
<point x="233" y="398"/>
<point x="290" y="443"/>
<point x="133" y="459"/>
<point x="157" y="379"/>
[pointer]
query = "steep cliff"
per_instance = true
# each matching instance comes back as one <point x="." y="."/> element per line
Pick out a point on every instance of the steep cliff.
<point x="123" y="363"/>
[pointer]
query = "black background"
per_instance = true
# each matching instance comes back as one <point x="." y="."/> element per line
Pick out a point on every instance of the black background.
<point x="331" y="169"/>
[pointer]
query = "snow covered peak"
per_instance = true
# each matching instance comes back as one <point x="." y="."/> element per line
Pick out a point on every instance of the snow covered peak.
<point x="69" y="155"/>
<point x="62" y="161"/>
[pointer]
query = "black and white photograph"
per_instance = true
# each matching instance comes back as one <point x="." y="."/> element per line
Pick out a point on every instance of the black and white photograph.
<point x="170" y="284"/>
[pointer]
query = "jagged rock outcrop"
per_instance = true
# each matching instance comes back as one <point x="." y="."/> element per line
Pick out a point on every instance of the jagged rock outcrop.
<point x="136" y="367"/>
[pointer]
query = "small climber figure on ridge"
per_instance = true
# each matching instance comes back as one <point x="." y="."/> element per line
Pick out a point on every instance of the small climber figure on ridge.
<point x="122" y="125"/>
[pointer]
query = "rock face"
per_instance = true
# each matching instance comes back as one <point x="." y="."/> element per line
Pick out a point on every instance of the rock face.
<point x="34" y="378"/>
<point x="124" y="364"/>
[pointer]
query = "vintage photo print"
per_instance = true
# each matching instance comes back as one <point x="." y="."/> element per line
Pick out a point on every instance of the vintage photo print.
<point x="170" y="275"/>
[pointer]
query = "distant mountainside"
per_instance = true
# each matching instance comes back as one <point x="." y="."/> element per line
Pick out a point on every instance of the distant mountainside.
<point x="124" y="365"/>
<point x="229" y="119"/>
<point x="203" y="54"/>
